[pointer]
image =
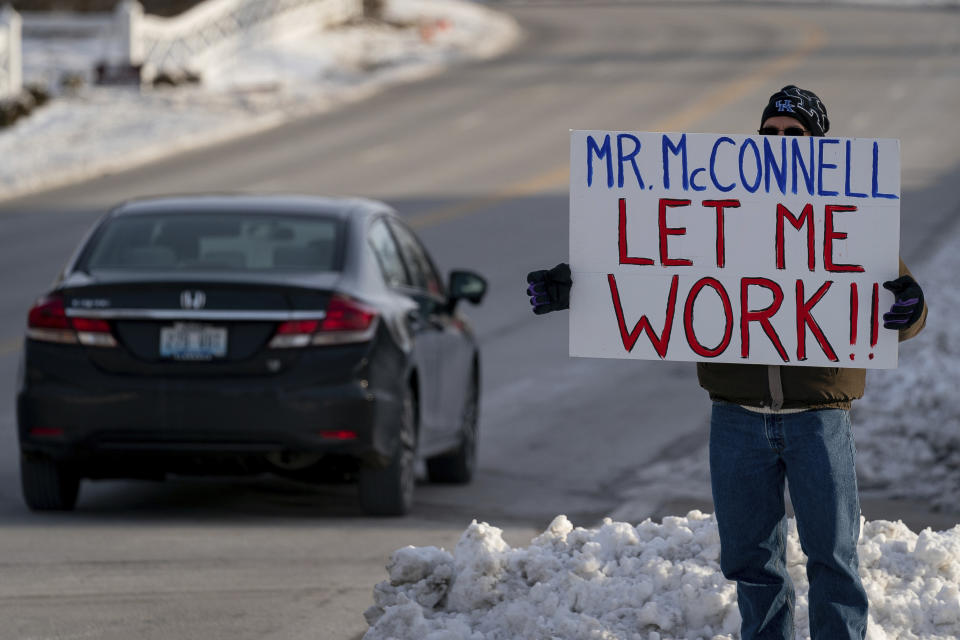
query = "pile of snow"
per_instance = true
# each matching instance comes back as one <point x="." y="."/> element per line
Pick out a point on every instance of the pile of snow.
<point x="662" y="581"/>
<point x="649" y="582"/>
<point x="95" y="130"/>
<point x="908" y="427"/>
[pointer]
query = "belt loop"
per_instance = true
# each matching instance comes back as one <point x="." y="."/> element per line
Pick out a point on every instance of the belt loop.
<point x="776" y="387"/>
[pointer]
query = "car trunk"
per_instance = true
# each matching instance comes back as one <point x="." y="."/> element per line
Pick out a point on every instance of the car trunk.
<point x="196" y="327"/>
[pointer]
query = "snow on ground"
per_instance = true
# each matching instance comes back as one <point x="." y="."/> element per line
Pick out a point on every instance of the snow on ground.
<point x="95" y="130"/>
<point x="907" y="430"/>
<point x="649" y="582"/>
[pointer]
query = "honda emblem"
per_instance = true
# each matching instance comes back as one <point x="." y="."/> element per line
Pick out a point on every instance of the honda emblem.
<point x="193" y="299"/>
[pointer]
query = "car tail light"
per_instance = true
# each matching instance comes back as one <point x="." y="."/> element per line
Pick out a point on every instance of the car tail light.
<point x="46" y="432"/>
<point x="297" y="327"/>
<point x="346" y="321"/>
<point x="339" y="434"/>
<point x="48" y="322"/>
<point x="93" y="332"/>
<point x="295" y="333"/>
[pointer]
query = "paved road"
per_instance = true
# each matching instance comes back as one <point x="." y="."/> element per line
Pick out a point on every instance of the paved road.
<point x="477" y="160"/>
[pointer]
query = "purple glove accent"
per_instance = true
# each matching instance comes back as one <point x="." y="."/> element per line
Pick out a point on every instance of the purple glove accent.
<point x="532" y="289"/>
<point x="905" y="303"/>
<point x="901" y="312"/>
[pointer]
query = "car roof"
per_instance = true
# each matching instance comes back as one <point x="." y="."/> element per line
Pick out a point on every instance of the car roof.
<point x="249" y="203"/>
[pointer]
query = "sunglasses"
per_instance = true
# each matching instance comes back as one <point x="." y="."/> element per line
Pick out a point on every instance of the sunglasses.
<point x="774" y="131"/>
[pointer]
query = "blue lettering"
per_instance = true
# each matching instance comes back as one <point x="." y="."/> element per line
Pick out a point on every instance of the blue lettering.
<point x="798" y="160"/>
<point x="681" y="149"/>
<point x="846" y="183"/>
<point x="713" y="165"/>
<point x="693" y="179"/>
<point x="756" y="154"/>
<point x="631" y="157"/>
<point x="824" y="165"/>
<point x="601" y="151"/>
<point x="876" y="181"/>
<point x="770" y="164"/>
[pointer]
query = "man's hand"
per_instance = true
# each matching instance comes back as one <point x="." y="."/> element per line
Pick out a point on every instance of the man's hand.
<point x="550" y="290"/>
<point x="908" y="306"/>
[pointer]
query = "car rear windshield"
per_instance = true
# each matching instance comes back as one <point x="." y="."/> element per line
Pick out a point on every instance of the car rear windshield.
<point x="221" y="242"/>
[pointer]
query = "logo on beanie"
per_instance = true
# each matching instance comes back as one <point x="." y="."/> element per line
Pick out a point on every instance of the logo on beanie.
<point x="784" y="105"/>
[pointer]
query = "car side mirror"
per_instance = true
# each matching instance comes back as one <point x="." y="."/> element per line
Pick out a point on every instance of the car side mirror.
<point x="467" y="285"/>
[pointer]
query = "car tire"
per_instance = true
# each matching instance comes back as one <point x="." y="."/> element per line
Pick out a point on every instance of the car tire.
<point x="457" y="467"/>
<point x="48" y="485"/>
<point x="388" y="491"/>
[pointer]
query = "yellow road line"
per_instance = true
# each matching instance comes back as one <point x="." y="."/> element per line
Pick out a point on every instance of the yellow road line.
<point x="729" y="93"/>
<point x="10" y="346"/>
<point x="536" y="184"/>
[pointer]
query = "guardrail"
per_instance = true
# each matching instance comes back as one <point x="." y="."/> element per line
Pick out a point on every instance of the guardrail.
<point x="211" y="29"/>
<point x="217" y="27"/>
<point x="11" y="67"/>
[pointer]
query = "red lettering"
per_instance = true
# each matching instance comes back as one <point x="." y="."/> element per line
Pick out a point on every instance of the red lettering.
<point x="698" y="348"/>
<point x="671" y="231"/>
<point x="875" y="316"/>
<point x="762" y="316"/>
<point x="622" y="228"/>
<point x="806" y="217"/>
<point x="660" y="342"/>
<point x="720" y="205"/>
<point x="829" y="235"/>
<point x="805" y="319"/>
<point x="854" y="312"/>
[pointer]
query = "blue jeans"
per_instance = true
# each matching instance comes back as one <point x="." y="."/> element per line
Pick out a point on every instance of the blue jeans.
<point x="750" y="456"/>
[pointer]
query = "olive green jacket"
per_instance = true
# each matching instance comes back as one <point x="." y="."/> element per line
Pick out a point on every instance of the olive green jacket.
<point x="785" y="387"/>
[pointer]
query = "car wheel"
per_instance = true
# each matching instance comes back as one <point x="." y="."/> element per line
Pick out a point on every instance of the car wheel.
<point x="457" y="467"/>
<point x="388" y="491"/>
<point x="48" y="485"/>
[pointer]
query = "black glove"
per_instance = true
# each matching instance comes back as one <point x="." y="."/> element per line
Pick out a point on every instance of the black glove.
<point x="550" y="290"/>
<point x="908" y="307"/>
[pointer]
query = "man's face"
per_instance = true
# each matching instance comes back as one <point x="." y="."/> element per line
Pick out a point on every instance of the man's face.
<point x="783" y="125"/>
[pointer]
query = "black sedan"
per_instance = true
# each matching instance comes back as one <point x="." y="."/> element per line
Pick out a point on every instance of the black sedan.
<point x="308" y="337"/>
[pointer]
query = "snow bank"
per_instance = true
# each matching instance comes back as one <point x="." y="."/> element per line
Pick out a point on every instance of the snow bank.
<point x="96" y="130"/>
<point x="649" y="582"/>
<point x="914" y="410"/>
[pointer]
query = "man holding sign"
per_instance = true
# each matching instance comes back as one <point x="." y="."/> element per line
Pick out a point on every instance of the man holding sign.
<point x="761" y="258"/>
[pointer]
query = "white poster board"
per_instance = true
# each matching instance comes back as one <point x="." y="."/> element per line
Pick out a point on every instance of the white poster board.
<point x="729" y="248"/>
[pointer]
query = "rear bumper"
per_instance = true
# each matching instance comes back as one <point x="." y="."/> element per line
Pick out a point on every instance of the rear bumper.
<point x="69" y="409"/>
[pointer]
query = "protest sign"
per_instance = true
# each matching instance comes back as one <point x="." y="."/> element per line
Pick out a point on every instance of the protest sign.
<point x="727" y="248"/>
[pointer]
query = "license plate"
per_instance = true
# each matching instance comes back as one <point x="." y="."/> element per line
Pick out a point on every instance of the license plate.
<point x="193" y="342"/>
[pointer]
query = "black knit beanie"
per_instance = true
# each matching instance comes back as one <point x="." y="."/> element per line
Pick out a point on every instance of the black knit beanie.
<point x="800" y="104"/>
